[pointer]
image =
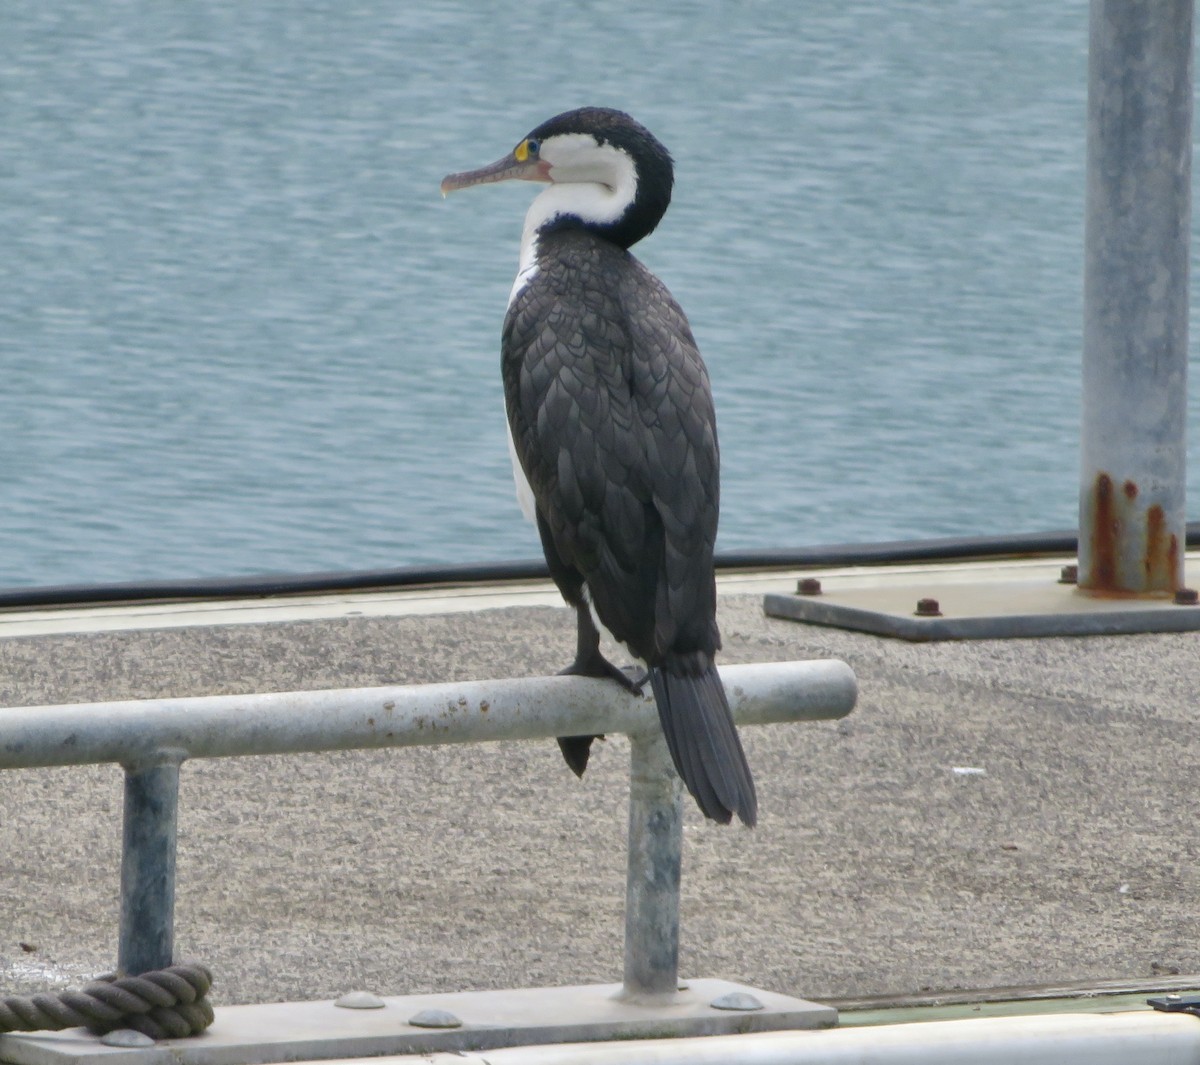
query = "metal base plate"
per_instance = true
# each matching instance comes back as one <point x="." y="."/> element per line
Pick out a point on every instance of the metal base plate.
<point x="305" y="1031"/>
<point x="976" y="603"/>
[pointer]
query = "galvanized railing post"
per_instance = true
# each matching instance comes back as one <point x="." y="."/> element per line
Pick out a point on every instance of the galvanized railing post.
<point x="151" y="738"/>
<point x="147" y="932"/>
<point x="1132" y="520"/>
<point x="652" y="879"/>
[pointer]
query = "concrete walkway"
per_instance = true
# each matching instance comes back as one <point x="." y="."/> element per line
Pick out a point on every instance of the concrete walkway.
<point x="876" y="867"/>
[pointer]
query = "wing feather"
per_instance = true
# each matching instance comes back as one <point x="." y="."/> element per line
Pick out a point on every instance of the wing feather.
<point x="612" y="419"/>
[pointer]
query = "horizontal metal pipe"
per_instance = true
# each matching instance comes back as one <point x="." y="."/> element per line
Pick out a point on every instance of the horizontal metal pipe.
<point x="221" y="726"/>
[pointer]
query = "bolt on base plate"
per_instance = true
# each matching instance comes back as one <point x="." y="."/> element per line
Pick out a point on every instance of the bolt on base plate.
<point x="308" y="1031"/>
<point x="977" y="601"/>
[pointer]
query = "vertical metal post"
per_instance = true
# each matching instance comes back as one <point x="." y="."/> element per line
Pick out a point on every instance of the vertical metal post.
<point x="147" y="932"/>
<point x="652" y="882"/>
<point x="1139" y="149"/>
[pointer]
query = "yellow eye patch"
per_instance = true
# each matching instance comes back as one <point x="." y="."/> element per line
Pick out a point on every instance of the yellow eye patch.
<point x="525" y="149"/>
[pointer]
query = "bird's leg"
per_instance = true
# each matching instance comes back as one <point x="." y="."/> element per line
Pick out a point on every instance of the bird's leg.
<point x="589" y="662"/>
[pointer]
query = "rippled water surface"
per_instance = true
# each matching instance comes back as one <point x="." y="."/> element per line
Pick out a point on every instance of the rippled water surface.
<point x="240" y="331"/>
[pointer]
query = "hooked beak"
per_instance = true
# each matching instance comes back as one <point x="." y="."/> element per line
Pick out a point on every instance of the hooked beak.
<point x="507" y="169"/>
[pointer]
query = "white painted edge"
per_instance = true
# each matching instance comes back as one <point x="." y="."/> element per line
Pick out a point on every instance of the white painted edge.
<point x="431" y="600"/>
<point x="1135" y="1038"/>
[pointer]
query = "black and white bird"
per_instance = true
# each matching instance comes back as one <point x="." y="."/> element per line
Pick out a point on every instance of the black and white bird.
<point x="613" y="435"/>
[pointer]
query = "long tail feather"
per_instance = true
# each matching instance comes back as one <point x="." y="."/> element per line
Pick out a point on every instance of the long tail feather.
<point x="703" y="740"/>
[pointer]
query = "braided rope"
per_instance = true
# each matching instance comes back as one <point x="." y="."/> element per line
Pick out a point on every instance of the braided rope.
<point x="163" y="1004"/>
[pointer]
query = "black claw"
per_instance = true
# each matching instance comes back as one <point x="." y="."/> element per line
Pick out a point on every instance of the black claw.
<point x="575" y="749"/>
<point x="589" y="662"/>
<point x="596" y="665"/>
<point x="636" y="686"/>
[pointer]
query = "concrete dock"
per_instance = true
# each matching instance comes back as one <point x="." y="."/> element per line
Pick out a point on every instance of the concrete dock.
<point x="998" y="812"/>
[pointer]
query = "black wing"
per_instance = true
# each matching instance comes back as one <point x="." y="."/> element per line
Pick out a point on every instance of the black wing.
<point x="612" y="417"/>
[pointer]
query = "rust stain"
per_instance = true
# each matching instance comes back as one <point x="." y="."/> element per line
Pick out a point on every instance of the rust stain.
<point x="1155" y="555"/>
<point x="1105" y="528"/>
<point x="1162" y="552"/>
<point x="1115" y="519"/>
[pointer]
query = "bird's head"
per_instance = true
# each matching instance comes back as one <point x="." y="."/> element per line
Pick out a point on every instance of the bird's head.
<point x="607" y="173"/>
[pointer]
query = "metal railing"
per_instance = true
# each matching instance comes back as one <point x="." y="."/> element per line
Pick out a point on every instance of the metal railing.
<point x="150" y="739"/>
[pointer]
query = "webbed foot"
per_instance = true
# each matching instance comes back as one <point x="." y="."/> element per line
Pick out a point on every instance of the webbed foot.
<point x="576" y="749"/>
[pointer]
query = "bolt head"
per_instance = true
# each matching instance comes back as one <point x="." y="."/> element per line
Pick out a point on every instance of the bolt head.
<point x="928" y="608"/>
<point x="434" y="1018"/>
<point x="808" y="586"/>
<point x="736" y="1000"/>
<point x="126" y="1037"/>
<point x="1187" y="596"/>
<point x="1069" y="575"/>
<point x="360" y="1000"/>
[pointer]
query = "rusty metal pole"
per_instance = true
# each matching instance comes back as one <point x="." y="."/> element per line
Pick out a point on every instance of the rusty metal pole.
<point x="1139" y="148"/>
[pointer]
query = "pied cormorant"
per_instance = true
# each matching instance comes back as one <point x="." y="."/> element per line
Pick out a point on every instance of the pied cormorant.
<point x="613" y="434"/>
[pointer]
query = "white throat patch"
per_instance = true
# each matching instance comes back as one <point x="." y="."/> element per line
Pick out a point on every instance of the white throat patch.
<point x="590" y="181"/>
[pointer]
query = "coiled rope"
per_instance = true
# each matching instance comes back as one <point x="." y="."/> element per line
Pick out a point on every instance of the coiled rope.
<point x="166" y="1003"/>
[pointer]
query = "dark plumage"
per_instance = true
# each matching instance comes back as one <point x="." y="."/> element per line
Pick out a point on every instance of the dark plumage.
<point x="612" y="420"/>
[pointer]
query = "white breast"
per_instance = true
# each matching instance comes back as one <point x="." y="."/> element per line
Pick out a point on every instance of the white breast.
<point x="526" y="271"/>
<point x="524" y="489"/>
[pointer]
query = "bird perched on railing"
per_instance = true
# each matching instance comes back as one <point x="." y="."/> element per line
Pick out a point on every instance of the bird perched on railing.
<point x="613" y="434"/>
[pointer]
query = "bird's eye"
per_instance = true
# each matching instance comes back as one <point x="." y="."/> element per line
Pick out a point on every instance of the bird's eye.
<point x="527" y="149"/>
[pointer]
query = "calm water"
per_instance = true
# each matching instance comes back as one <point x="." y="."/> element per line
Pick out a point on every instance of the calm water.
<point x="240" y="331"/>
